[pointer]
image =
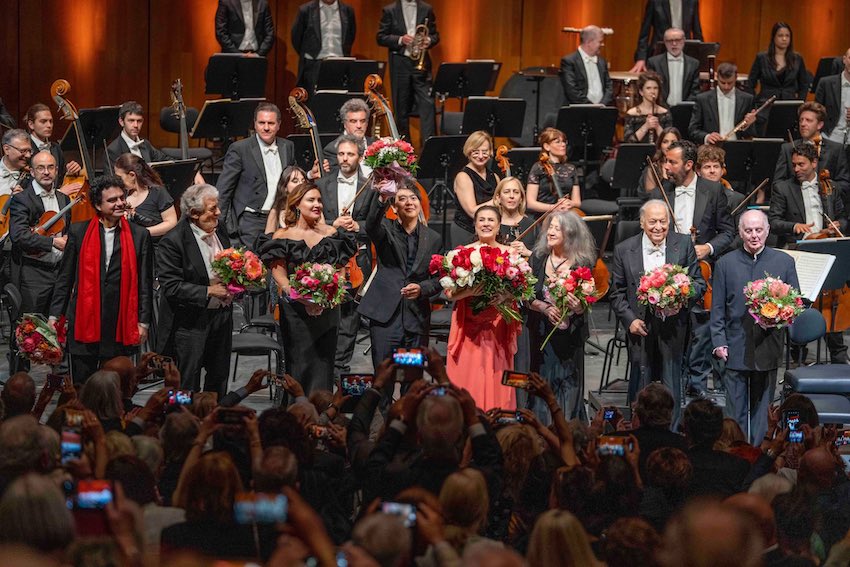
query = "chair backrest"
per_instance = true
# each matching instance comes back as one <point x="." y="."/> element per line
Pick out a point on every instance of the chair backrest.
<point x="807" y="327"/>
<point x="12" y="299"/>
<point x="627" y="229"/>
<point x="169" y="122"/>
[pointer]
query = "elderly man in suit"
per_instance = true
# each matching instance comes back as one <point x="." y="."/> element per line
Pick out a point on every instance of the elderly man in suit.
<point x="657" y="345"/>
<point x="752" y="354"/>
<point x="250" y="174"/>
<point x="584" y="73"/>
<point x="244" y="26"/>
<point x="833" y="93"/>
<point x="679" y="71"/>
<point x="661" y="15"/>
<point x="196" y="316"/>
<point x="131" y="117"/>
<point x="322" y="29"/>
<point x="105" y="282"/>
<point x="718" y="111"/>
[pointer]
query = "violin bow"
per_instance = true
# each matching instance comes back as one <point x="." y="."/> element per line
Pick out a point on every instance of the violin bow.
<point x="657" y="178"/>
<point x="748" y="197"/>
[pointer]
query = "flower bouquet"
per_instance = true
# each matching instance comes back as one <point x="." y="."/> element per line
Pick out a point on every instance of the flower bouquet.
<point x="317" y="285"/>
<point x="392" y="161"/>
<point x="496" y="271"/>
<point x="239" y="269"/>
<point x="578" y="282"/>
<point x="665" y="289"/>
<point x="38" y="340"/>
<point x="772" y="303"/>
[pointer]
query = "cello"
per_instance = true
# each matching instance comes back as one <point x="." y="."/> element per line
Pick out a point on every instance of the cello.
<point x="58" y="89"/>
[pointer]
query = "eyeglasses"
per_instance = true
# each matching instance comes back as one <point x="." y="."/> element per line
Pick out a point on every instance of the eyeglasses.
<point x="480" y="153"/>
<point x="43" y="168"/>
<point x="25" y="151"/>
<point x="675" y="40"/>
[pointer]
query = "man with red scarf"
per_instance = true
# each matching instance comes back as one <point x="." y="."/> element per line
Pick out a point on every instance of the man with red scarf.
<point x="105" y="283"/>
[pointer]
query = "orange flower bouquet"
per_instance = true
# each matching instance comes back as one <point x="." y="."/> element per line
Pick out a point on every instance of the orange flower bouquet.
<point x="239" y="269"/>
<point x="38" y="340"/>
<point x="772" y="303"/>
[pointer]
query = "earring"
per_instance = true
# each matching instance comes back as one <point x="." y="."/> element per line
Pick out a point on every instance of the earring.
<point x="297" y="213"/>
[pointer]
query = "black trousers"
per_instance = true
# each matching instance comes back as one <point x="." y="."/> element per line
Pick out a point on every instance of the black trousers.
<point x="84" y="365"/>
<point x="390" y="335"/>
<point x="409" y="85"/>
<point x="205" y="344"/>
<point x="251" y="225"/>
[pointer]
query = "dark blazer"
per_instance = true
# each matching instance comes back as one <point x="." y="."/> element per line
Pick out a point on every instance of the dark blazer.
<point x="832" y="158"/>
<point x="392" y="27"/>
<point x="574" y="79"/>
<point x="58" y="155"/>
<point x="383" y="298"/>
<point x="690" y="75"/>
<point x="150" y="154"/>
<point x="787" y="209"/>
<point x="25" y="209"/>
<point x="716" y="473"/>
<point x="230" y="26"/>
<point x="829" y="94"/>
<point x="6" y="119"/>
<point x="657" y="18"/>
<point x="328" y="185"/>
<point x="307" y="30"/>
<point x="65" y="290"/>
<point x="183" y="279"/>
<point x="711" y="215"/>
<point x="242" y="182"/>
<point x="750" y="346"/>
<point x="706" y="115"/>
<point x="794" y="85"/>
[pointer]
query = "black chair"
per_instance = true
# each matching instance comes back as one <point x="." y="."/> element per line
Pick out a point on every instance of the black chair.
<point x="248" y="342"/>
<point x="12" y="300"/>
<point x="441" y="319"/>
<point x="170" y="123"/>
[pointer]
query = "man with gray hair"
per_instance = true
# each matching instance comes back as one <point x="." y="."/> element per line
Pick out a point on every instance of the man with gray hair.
<point x="196" y="315"/>
<point x="679" y="71"/>
<point x="751" y="353"/>
<point x="584" y="73"/>
<point x="16" y="153"/>
<point x="354" y="115"/>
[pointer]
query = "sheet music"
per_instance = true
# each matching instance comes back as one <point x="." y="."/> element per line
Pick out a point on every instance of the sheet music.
<point x="812" y="270"/>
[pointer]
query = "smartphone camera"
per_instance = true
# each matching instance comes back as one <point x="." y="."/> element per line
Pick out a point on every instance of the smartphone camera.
<point x="317" y="431"/>
<point x="412" y="357"/>
<point x="843" y="438"/>
<point x="260" y="508"/>
<point x="438" y="391"/>
<point x="795" y="436"/>
<point x="792" y="420"/>
<point x="230" y="417"/>
<point x="158" y="364"/>
<point x="180" y="397"/>
<point x="406" y="511"/>
<point x="609" y="414"/>
<point x="55" y="381"/>
<point x="355" y="385"/>
<point x="515" y="379"/>
<point x="93" y="494"/>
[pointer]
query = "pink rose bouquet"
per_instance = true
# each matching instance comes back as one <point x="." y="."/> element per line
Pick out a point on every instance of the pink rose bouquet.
<point x="666" y="290"/>
<point x="317" y="284"/>
<point x="239" y="269"/>
<point x="578" y="282"/>
<point x="772" y="303"/>
<point x="392" y="161"/>
<point x="38" y="340"/>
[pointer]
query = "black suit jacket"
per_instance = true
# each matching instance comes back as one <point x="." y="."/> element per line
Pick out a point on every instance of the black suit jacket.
<point x="829" y="94"/>
<point x="706" y="116"/>
<point x="794" y="84"/>
<point x="658" y="19"/>
<point x="183" y="280"/>
<point x="25" y="209"/>
<point x="832" y="158"/>
<point x="574" y="79"/>
<point x="392" y="27"/>
<point x="65" y="290"/>
<point x="716" y="473"/>
<point x="230" y="26"/>
<point x="6" y="119"/>
<point x="711" y="214"/>
<point x="58" y="155"/>
<point x="149" y="153"/>
<point x="307" y="31"/>
<point x="329" y="151"/>
<point x="384" y="298"/>
<point x="242" y="182"/>
<point x="690" y="75"/>
<point x="787" y="209"/>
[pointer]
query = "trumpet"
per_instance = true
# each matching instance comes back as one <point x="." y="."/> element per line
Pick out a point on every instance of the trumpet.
<point x="417" y="48"/>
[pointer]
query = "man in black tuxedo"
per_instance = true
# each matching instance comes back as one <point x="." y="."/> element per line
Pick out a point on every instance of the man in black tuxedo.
<point x="584" y="73"/>
<point x="105" y="282"/>
<point x="354" y="114"/>
<point x="243" y="26"/>
<point x="661" y="15"/>
<point x="679" y="71"/>
<point x="396" y="32"/>
<point x="250" y="174"/>
<point x="657" y="345"/>
<point x="196" y="314"/>
<point x="342" y="211"/>
<point x="397" y="303"/>
<point x="710" y="121"/>
<point x="752" y="354"/>
<point x="131" y="117"/>
<point x="336" y="20"/>
<point x="39" y="121"/>
<point x="831" y="156"/>
<point x="833" y="93"/>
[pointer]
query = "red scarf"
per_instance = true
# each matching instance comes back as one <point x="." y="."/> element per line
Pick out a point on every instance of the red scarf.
<point x="87" y="318"/>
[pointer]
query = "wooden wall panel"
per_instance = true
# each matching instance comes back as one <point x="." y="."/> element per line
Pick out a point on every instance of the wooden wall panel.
<point x="9" y="67"/>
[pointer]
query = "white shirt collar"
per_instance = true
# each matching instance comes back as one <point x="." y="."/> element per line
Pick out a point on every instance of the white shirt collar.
<point x="585" y="57"/>
<point x="264" y="145"/>
<point x="198" y="231"/>
<point x="647" y="244"/>
<point x="692" y="184"/>
<point x="39" y="143"/>
<point x="730" y="96"/>
<point x="845" y="82"/>
<point x="349" y="180"/>
<point x="41" y="191"/>
<point x="326" y="6"/>
<point x="671" y="57"/>
<point x="130" y="141"/>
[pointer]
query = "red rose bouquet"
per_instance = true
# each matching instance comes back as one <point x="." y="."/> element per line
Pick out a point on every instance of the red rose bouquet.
<point x="320" y="285"/>
<point x="239" y="269"/>
<point x="772" y="303"/>
<point x="666" y="289"/>
<point x="392" y="161"/>
<point x="38" y="340"/>
<point x="578" y="282"/>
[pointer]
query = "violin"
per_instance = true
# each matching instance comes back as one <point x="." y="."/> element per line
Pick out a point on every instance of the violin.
<point x="705" y="270"/>
<point x="6" y="201"/>
<point x="826" y="191"/>
<point x="51" y="223"/>
<point x="546" y="162"/>
<point x="502" y="160"/>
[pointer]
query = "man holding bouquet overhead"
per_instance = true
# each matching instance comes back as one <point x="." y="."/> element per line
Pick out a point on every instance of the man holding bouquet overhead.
<point x="750" y="344"/>
<point x="654" y="281"/>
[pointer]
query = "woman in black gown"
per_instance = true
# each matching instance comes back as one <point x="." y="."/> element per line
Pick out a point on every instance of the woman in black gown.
<point x="148" y="202"/>
<point x="309" y="333"/>
<point x="474" y="186"/>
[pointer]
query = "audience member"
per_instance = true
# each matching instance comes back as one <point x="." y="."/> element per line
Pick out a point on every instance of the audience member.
<point x="559" y="539"/>
<point x="33" y="513"/>
<point x="714" y="472"/>
<point x="18" y="395"/>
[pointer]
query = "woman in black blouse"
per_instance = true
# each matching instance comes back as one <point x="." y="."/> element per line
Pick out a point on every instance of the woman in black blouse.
<point x="541" y="195"/>
<point x="647" y="120"/>
<point x="474" y="186"/>
<point x="148" y="203"/>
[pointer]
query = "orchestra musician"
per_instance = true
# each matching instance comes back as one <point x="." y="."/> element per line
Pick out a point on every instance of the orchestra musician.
<point x="833" y="93"/>
<point x="799" y="209"/>
<point x="680" y="72"/>
<point x="249" y="177"/>
<point x="584" y="73"/>
<point x="244" y="26"/>
<point x="398" y="33"/>
<point x="646" y="121"/>
<point x="39" y="122"/>
<point x="105" y="284"/>
<point x="751" y="353"/>
<point x="780" y="71"/>
<point x="17" y="151"/>
<point x="718" y="111"/>
<point x="657" y="345"/>
<point x="661" y="15"/>
<point x="474" y="186"/>
<point x="354" y="114"/>
<point x="541" y="192"/>
<point x="322" y="29"/>
<point x="667" y="137"/>
<point x="131" y="117"/>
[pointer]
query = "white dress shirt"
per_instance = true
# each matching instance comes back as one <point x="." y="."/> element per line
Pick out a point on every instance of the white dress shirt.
<point x="330" y="23"/>
<point x="653" y="256"/>
<point x="134" y="145"/>
<point x="346" y="190"/>
<point x="51" y="203"/>
<point x="271" y="161"/>
<point x="676" y="13"/>
<point x="726" y="112"/>
<point x="108" y="243"/>
<point x="812" y="204"/>
<point x="249" y="40"/>
<point x="209" y="245"/>
<point x="837" y="134"/>
<point x="594" y="81"/>
<point x="8" y="178"/>
<point x="684" y="206"/>
<point x="676" y="66"/>
<point x="408" y="10"/>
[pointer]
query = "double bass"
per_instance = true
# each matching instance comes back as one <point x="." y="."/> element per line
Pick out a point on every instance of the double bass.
<point x="82" y="209"/>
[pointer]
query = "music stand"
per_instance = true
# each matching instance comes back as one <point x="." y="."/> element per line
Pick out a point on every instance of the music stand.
<point x="304" y="148"/>
<point x="347" y="73"/>
<point x="739" y="160"/>
<point x="629" y="166"/>
<point x="442" y="157"/>
<point x="226" y="119"/>
<point x="782" y="117"/>
<point x="99" y="125"/>
<point x="325" y="106"/>
<point x="462" y="80"/>
<point x="235" y="76"/>
<point x="587" y="126"/>
<point x="681" y="114"/>
<point x="522" y="160"/>
<point x="177" y="175"/>
<point x="501" y="117"/>
<point x="827" y="66"/>
<point x="765" y="155"/>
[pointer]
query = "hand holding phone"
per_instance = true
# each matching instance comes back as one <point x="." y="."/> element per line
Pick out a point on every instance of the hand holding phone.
<point x="407" y="512"/>
<point x="411" y="357"/>
<point x="515" y="379"/>
<point x="260" y="508"/>
<point x="355" y="385"/>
